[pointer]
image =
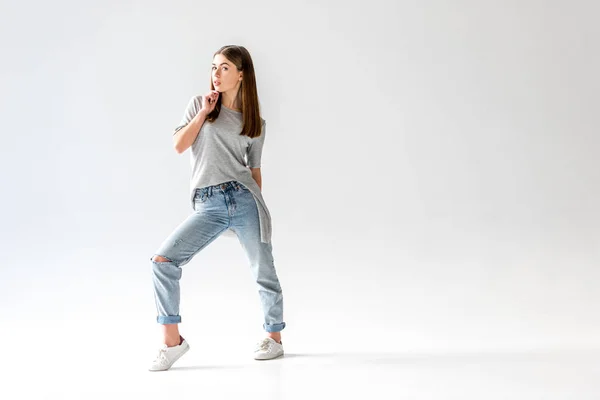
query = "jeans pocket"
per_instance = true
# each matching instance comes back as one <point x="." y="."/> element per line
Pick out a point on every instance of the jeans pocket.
<point x="200" y="198"/>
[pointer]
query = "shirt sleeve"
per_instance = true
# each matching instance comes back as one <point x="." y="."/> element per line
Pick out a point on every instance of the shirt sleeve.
<point x="193" y="107"/>
<point x="255" y="148"/>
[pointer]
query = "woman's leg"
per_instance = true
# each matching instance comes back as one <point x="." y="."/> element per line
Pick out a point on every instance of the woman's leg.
<point x="198" y="230"/>
<point x="245" y="223"/>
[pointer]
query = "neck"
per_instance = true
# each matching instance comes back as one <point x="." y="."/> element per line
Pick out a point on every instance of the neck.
<point x="230" y="100"/>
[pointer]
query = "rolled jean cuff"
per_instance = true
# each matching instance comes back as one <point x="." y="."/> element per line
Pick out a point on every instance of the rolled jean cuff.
<point x="168" y="319"/>
<point x="274" y="327"/>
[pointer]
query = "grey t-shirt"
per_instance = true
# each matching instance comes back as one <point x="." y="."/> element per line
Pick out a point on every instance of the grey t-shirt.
<point x="219" y="154"/>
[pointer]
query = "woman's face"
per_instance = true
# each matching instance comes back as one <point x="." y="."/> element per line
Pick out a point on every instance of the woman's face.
<point x="225" y="75"/>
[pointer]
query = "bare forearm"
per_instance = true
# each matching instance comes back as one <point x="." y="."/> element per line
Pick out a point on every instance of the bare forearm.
<point x="184" y="137"/>
<point x="258" y="178"/>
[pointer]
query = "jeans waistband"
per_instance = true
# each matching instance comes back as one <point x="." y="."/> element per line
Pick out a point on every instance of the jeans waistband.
<point x="230" y="185"/>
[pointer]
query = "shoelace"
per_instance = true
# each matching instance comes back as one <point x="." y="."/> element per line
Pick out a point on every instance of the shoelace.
<point x="264" y="345"/>
<point x="161" y="357"/>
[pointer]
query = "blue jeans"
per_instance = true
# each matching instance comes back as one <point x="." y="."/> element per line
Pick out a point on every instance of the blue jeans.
<point x="229" y="205"/>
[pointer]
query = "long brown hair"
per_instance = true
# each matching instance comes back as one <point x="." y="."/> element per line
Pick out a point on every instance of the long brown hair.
<point x="240" y="57"/>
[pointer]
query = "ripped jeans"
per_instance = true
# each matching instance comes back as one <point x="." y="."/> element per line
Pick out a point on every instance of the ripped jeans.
<point x="229" y="205"/>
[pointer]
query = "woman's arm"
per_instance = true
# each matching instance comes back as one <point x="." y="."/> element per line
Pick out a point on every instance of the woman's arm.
<point x="257" y="176"/>
<point x="185" y="136"/>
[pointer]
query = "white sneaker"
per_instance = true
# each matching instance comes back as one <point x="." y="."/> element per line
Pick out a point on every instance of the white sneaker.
<point x="267" y="349"/>
<point x="168" y="355"/>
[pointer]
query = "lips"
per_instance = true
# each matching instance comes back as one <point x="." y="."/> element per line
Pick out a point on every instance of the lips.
<point x="217" y="83"/>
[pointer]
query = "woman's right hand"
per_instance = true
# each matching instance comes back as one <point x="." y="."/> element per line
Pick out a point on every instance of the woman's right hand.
<point x="209" y="100"/>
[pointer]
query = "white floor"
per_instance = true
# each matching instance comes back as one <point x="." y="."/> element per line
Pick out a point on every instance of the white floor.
<point x="202" y="374"/>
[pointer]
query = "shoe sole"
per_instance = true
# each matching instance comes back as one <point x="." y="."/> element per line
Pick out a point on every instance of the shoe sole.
<point x="185" y="350"/>
<point x="272" y="358"/>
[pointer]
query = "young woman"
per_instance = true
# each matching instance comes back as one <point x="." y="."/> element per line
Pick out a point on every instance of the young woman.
<point x="225" y="133"/>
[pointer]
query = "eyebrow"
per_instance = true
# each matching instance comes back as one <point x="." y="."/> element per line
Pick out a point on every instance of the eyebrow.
<point x="221" y="63"/>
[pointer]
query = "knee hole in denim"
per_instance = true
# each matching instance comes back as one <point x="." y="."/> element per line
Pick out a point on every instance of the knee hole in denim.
<point x="158" y="258"/>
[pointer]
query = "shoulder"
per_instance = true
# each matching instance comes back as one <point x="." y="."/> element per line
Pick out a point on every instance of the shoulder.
<point x="195" y="103"/>
<point x="263" y="129"/>
<point x="194" y="106"/>
<point x="197" y="100"/>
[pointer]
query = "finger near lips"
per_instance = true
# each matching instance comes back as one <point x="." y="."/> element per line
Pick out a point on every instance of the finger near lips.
<point x="212" y="97"/>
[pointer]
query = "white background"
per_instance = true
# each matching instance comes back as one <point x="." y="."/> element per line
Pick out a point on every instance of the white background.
<point x="431" y="169"/>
